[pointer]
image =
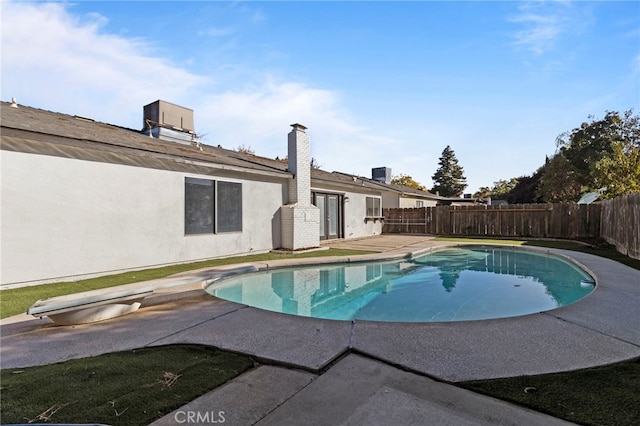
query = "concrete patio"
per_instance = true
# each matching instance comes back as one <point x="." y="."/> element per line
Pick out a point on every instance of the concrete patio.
<point x="317" y="371"/>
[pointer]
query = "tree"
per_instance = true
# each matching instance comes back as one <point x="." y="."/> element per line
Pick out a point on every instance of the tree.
<point x="560" y="181"/>
<point x="598" y="154"/>
<point x="502" y="188"/>
<point x="449" y="178"/>
<point x="524" y="190"/>
<point x="406" y="180"/>
<point x="314" y="162"/>
<point x="619" y="171"/>
<point x="245" y="149"/>
<point x="483" y="192"/>
<point x="587" y="145"/>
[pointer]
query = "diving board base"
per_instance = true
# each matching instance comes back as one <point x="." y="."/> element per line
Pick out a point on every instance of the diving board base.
<point x="84" y="313"/>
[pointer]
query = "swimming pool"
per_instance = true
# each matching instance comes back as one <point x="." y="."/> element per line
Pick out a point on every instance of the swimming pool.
<point x="453" y="284"/>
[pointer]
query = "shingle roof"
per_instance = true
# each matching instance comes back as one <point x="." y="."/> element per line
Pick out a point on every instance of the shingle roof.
<point x="36" y="130"/>
<point x="400" y="189"/>
<point x="72" y="131"/>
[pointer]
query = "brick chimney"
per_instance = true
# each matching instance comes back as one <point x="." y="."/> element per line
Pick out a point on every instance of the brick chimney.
<point x="299" y="155"/>
<point x="300" y="219"/>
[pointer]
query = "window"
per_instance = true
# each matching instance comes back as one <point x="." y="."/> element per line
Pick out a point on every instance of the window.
<point x="198" y="206"/>
<point x="419" y="203"/>
<point x="332" y="283"/>
<point x="212" y="206"/>
<point x="374" y="272"/>
<point x="229" y="207"/>
<point x="373" y="207"/>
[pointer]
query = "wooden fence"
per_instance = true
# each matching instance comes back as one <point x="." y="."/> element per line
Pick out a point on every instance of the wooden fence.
<point x="514" y="220"/>
<point x="621" y="224"/>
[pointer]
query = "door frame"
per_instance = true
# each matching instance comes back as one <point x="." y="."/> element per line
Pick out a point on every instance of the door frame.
<point x="325" y="219"/>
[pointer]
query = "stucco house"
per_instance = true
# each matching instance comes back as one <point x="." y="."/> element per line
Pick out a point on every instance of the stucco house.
<point x="83" y="198"/>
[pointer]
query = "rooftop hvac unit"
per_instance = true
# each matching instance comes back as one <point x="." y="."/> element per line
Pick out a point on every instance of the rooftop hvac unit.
<point x="168" y="121"/>
<point x="381" y="174"/>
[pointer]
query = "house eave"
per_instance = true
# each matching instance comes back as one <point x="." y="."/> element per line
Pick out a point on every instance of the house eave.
<point x="131" y="157"/>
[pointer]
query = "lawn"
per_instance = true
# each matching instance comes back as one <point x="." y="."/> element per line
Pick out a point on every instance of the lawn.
<point x="600" y="248"/>
<point x="607" y="395"/>
<point x="121" y="388"/>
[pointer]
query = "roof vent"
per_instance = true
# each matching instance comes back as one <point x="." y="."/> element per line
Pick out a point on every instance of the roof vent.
<point x="83" y="118"/>
<point x="14" y="104"/>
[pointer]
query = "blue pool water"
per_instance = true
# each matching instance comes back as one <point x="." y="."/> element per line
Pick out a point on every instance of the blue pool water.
<point x="455" y="284"/>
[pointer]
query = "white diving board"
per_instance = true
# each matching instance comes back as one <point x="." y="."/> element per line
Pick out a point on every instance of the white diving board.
<point x="97" y="305"/>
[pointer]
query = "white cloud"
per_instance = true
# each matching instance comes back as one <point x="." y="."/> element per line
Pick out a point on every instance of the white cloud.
<point x="540" y="31"/>
<point x="259" y="117"/>
<point x="55" y="60"/>
<point x="72" y="65"/>
<point x="545" y="23"/>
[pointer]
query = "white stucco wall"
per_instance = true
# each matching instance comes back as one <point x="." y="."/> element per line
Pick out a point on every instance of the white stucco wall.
<point x="355" y="209"/>
<point x="409" y="203"/>
<point x="390" y="200"/>
<point x="63" y="218"/>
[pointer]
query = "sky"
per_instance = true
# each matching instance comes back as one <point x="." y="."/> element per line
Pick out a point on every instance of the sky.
<point x="378" y="84"/>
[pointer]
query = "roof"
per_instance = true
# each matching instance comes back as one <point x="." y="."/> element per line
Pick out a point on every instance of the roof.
<point x="38" y="131"/>
<point x="27" y="129"/>
<point x="401" y="190"/>
<point x="590" y="197"/>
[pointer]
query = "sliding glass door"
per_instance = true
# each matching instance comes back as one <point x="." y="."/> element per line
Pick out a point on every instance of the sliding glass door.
<point x="330" y="206"/>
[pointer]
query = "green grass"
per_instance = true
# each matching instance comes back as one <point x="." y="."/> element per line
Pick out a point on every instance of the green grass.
<point x="599" y="248"/>
<point x="16" y="301"/>
<point x="122" y="388"/>
<point x="597" y="396"/>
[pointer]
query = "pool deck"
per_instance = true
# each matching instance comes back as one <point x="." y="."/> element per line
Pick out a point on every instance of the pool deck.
<point x="326" y="372"/>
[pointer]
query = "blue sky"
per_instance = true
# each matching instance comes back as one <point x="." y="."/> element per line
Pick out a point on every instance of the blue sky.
<point x="377" y="83"/>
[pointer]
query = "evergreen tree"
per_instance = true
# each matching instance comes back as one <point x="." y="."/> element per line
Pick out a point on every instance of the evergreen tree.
<point x="449" y="178"/>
